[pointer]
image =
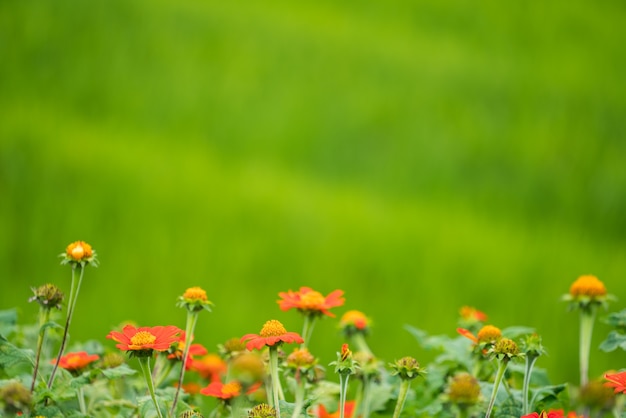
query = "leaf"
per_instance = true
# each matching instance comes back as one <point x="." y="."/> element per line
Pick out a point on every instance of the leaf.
<point x="613" y="341"/>
<point x="8" y="320"/>
<point x="119" y="371"/>
<point x="517" y="331"/>
<point x="14" y="360"/>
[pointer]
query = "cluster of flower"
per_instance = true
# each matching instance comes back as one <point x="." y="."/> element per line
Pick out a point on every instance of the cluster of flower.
<point x="251" y="375"/>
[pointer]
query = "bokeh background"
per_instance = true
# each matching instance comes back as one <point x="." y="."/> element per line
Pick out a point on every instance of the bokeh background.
<point x="420" y="156"/>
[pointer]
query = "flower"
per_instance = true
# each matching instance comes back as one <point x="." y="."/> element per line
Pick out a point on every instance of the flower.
<point x="586" y="291"/>
<point x="179" y="349"/>
<point x="272" y="333"/>
<point x="463" y="389"/>
<point x="596" y="395"/>
<point x="221" y="390"/>
<point x="354" y="321"/>
<point x="348" y="411"/>
<point x="190" y="414"/>
<point x="407" y="368"/>
<point x="48" y="296"/>
<point x="471" y="314"/>
<point x="77" y="360"/>
<point x="262" y="411"/>
<point x="489" y="334"/>
<point x="79" y="252"/>
<point x="300" y="358"/>
<point x="195" y="300"/>
<point x="311" y="302"/>
<point x="616" y="381"/>
<point x="247" y="368"/>
<point x="141" y="341"/>
<point x="505" y="349"/>
<point x="553" y="413"/>
<point x="15" y="396"/>
<point x="210" y="366"/>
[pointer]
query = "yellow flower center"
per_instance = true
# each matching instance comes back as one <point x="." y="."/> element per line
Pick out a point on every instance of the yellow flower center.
<point x="273" y="328"/>
<point x="142" y="338"/>
<point x="232" y="388"/>
<point x="464" y="389"/>
<point x="312" y="300"/>
<point x="195" y="293"/>
<point x="587" y="286"/>
<point x="489" y="333"/>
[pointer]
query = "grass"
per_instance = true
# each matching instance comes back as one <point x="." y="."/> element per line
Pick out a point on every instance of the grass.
<point x="420" y="157"/>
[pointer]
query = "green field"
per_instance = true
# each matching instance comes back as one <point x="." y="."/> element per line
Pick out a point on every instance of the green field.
<point x="420" y="156"/>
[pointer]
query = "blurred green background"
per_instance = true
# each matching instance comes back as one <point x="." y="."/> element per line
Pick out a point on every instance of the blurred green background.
<point x="420" y="156"/>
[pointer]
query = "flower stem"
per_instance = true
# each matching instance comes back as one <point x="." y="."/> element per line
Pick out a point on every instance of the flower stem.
<point x="300" y="382"/>
<point x="70" y="310"/>
<point x="404" y="389"/>
<point x="359" y="341"/>
<point x="307" y="329"/>
<point x="144" y="363"/>
<point x="587" y="317"/>
<point x="274" y="378"/>
<point x="44" y="316"/>
<point x="530" y="363"/>
<point x="367" y="385"/>
<point x="192" y="319"/>
<point x="80" y="394"/>
<point x="499" y="374"/>
<point x="343" y="391"/>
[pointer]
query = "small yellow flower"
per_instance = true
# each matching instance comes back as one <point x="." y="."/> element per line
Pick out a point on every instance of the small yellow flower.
<point x="407" y="368"/>
<point x="262" y="411"/>
<point x="79" y="253"/>
<point x="505" y="349"/>
<point x="463" y="390"/>
<point x="194" y="300"/>
<point x="489" y="334"/>
<point x="587" y="291"/>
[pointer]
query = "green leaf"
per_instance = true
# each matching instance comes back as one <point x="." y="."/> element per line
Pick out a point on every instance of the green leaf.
<point x="517" y="331"/>
<point x="15" y="360"/>
<point x="119" y="371"/>
<point x="8" y="320"/>
<point x="613" y="341"/>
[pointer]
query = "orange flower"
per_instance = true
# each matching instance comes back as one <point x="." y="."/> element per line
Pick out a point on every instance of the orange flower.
<point x="470" y="313"/>
<point x="553" y="413"/>
<point x="489" y="334"/>
<point x="310" y="301"/>
<point x="617" y="381"/>
<point x="79" y="251"/>
<point x="356" y="319"/>
<point x="77" y="360"/>
<point x="210" y="367"/>
<point x="158" y="338"/>
<point x="467" y="334"/>
<point x="348" y="411"/>
<point x="272" y="333"/>
<point x="587" y="286"/>
<point x="221" y="390"/>
<point x="194" y="350"/>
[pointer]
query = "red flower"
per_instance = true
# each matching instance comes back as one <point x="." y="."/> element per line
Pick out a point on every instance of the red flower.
<point x="194" y="350"/>
<point x="617" y="381"/>
<point x="469" y="313"/>
<point x="553" y="413"/>
<point x="158" y="338"/>
<point x="221" y="390"/>
<point x="467" y="334"/>
<point x="272" y="333"/>
<point x="348" y="410"/>
<point x="310" y="301"/>
<point x="77" y="360"/>
<point x="210" y="367"/>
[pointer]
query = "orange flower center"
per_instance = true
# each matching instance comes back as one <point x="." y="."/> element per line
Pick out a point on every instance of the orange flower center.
<point x="312" y="300"/>
<point x="142" y="338"/>
<point x="195" y="293"/>
<point x="587" y="286"/>
<point x="273" y="328"/>
<point x="232" y="388"/>
<point x="489" y="333"/>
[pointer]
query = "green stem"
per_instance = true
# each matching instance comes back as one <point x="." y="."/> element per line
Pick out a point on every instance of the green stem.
<point x="404" y="389"/>
<point x="80" y="394"/>
<point x="70" y="310"/>
<point x="587" y="317"/>
<point x="192" y="319"/>
<point x="44" y="316"/>
<point x="307" y="329"/>
<point x="144" y="363"/>
<point x="367" y="385"/>
<point x="496" y="384"/>
<point x="343" y="391"/>
<point x="300" y="382"/>
<point x="530" y="363"/>
<point x="274" y="378"/>
<point x="359" y="341"/>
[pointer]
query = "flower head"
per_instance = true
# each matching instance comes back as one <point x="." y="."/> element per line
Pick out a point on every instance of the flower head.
<point x="616" y="381"/>
<point x="194" y="300"/>
<point x="143" y="340"/>
<point x="310" y="302"/>
<point x="353" y="322"/>
<point x="79" y="253"/>
<point x="489" y="334"/>
<point x="48" y="296"/>
<point x="505" y="349"/>
<point x="587" y="291"/>
<point x="273" y="333"/>
<point x="407" y="368"/>
<point x="463" y="389"/>
<point x="210" y="366"/>
<point x="262" y="411"/>
<point x="345" y="364"/>
<point x="469" y="313"/>
<point x="76" y="361"/>
<point x="300" y="358"/>
<point x="177" y="350"/>
<point x="247" y="368"/>
<point x="190" y="414"/>
<point x="597" y="396"/>
<point x="15" y="397"/>
<point x="222" y="390"/>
